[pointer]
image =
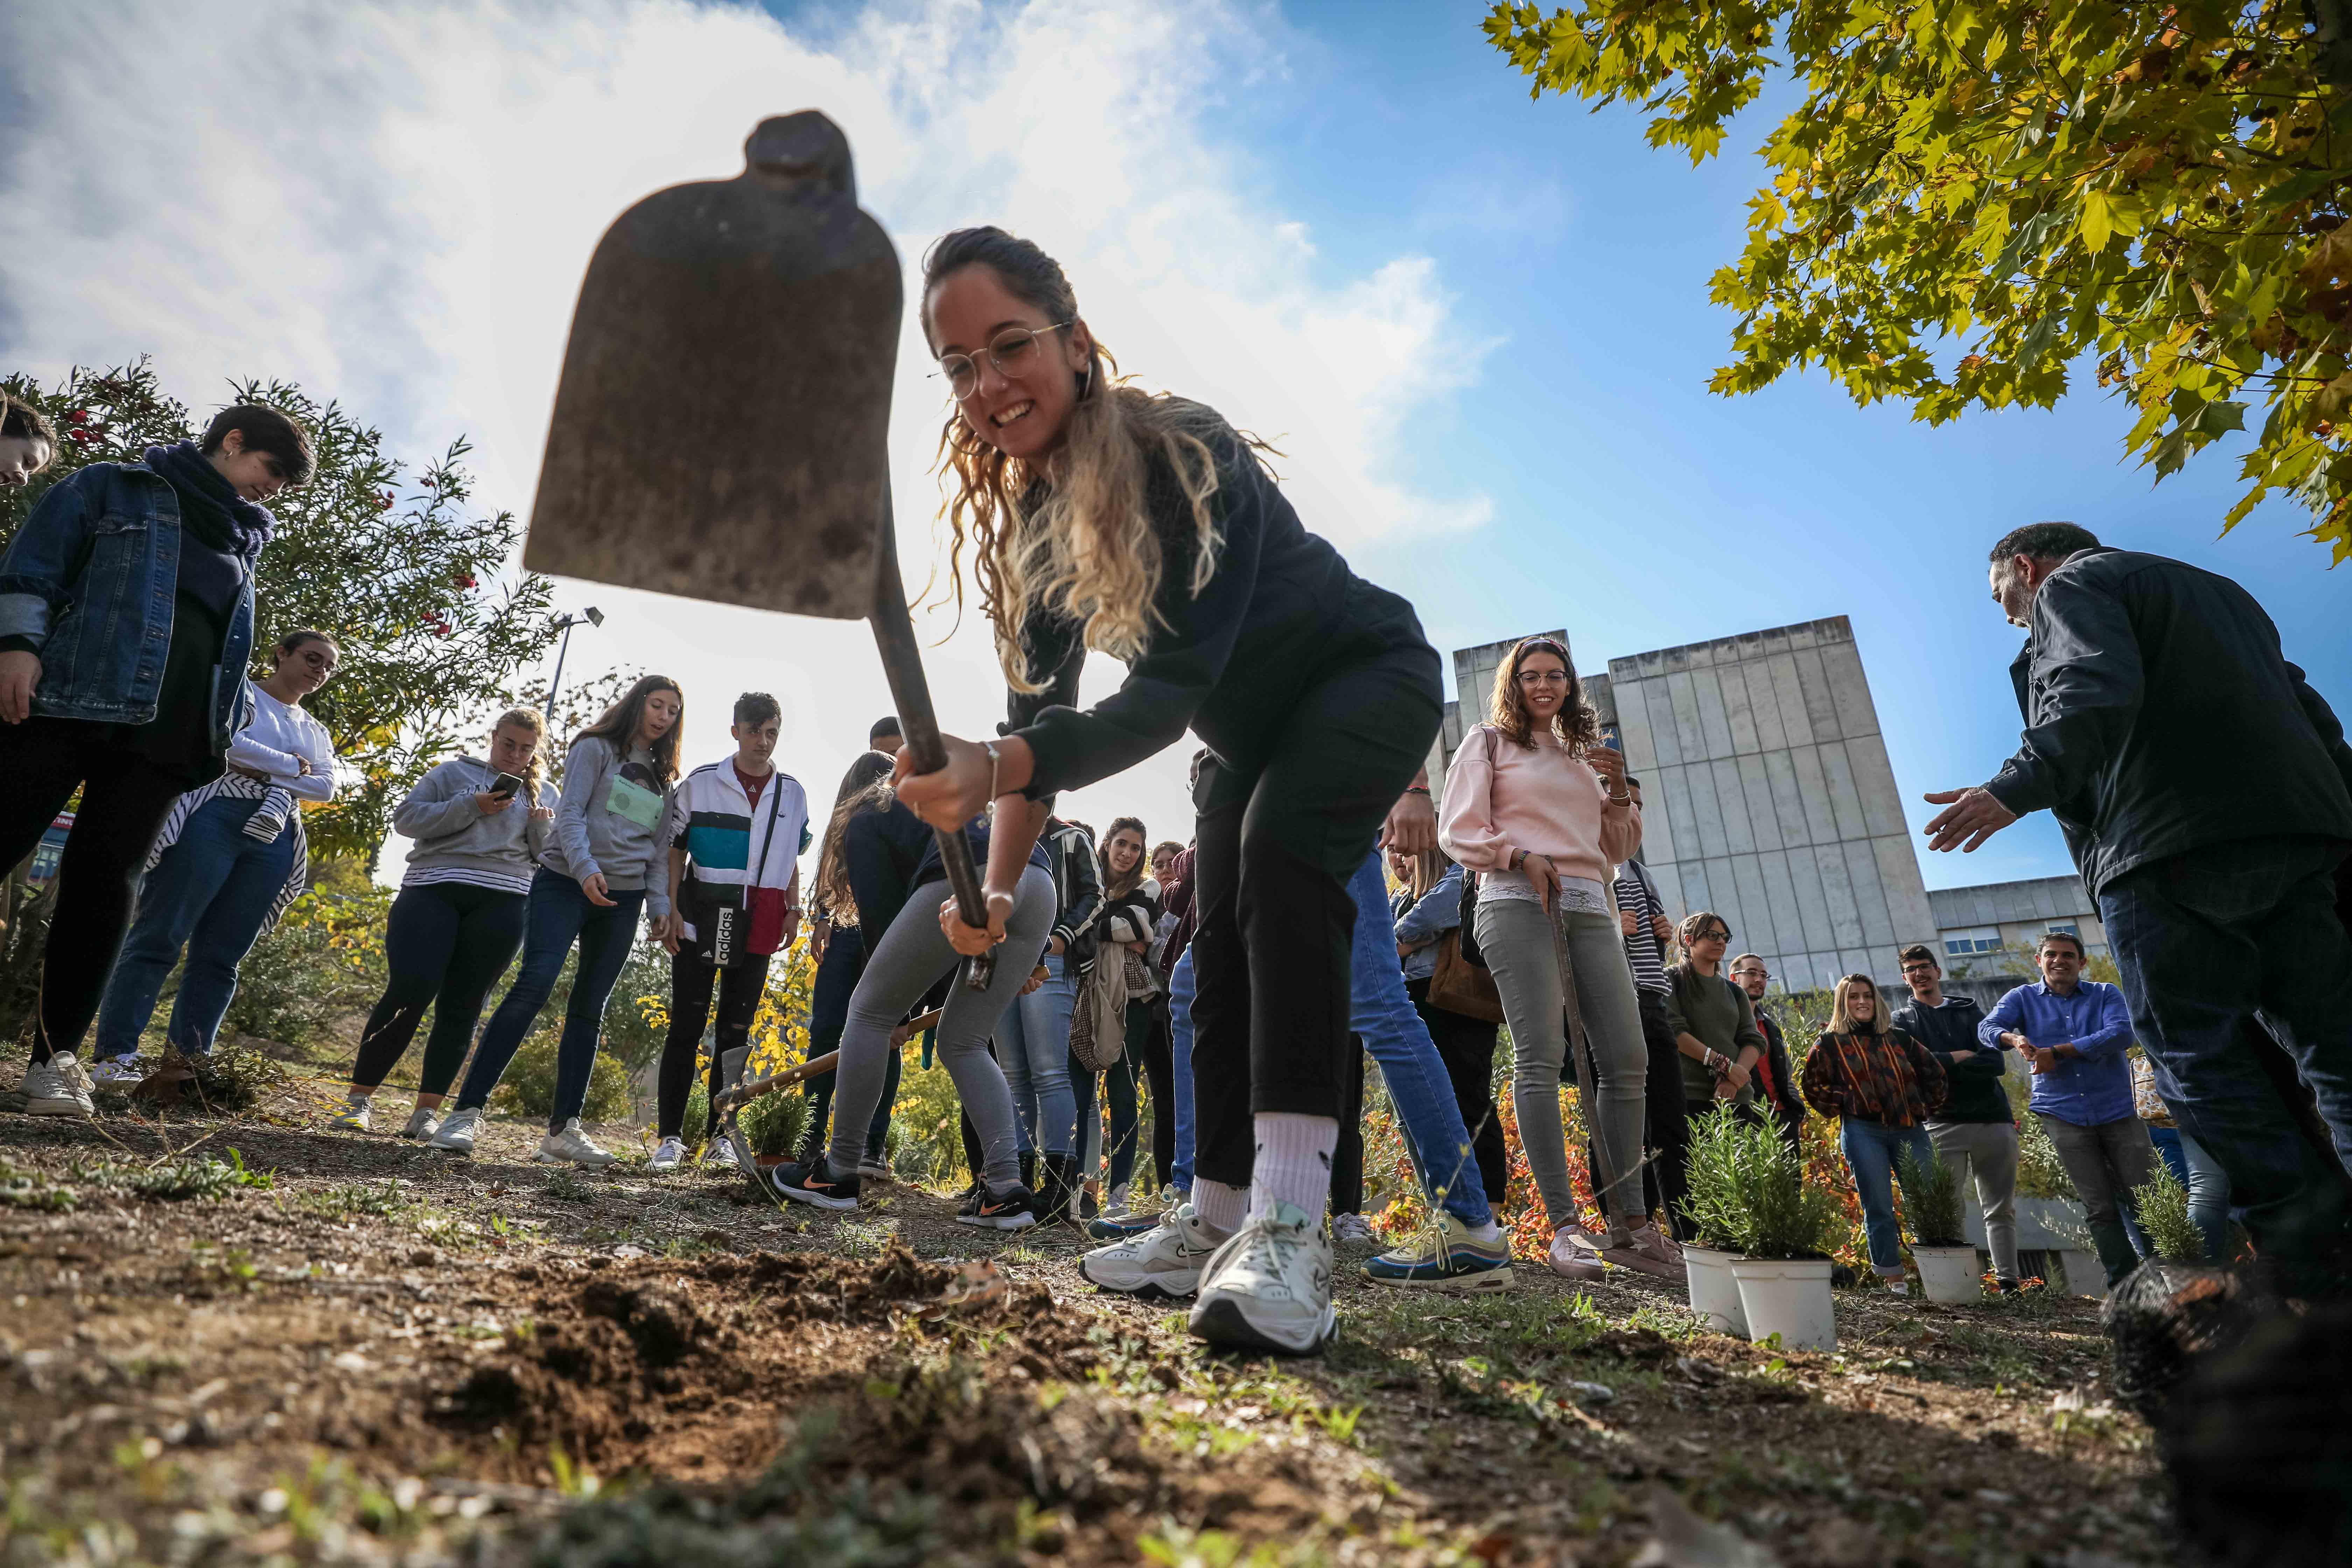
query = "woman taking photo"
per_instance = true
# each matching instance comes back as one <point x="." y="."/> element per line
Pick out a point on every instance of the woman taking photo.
<point x="479" y="825"/>
<point x="227" y="861"/>
<point x="1881" y="1085"/>
<point x="1099" y="516"/>
<point x="602" y="865"/>
<point x="1537" y="805"/>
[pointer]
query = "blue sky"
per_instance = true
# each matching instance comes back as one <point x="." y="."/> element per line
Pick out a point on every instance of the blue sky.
<point x="1479" y="324"/>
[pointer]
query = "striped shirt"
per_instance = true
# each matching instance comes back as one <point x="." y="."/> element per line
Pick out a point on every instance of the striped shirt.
<point x="1889" y="1078"/>
<point x="1643" y="952"/>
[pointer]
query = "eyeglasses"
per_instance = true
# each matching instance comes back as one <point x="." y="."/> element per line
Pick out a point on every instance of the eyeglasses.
<point x="1713" y="933"/>
<point x="1014" y="352"/>
<point x="1543" y="678"/>
<point x="1753" y="971"/>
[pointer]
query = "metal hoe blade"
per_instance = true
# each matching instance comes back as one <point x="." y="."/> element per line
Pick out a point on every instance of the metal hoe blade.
<point x="722" y="426"/>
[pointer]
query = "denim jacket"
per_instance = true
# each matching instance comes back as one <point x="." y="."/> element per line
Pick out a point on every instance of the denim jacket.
<point x="88" y="581"/>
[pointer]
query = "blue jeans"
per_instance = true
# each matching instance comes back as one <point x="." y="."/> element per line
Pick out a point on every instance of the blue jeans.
<point x="2213" y="945"/>
<point x="1394" y="1034"/>
<point x="2207" y="1185"/>
<point x="210" y="892"/>
<point x="1874" y="1152"/>
<point x="1182" y="983"/>
<point x="1032" y="1045"/>
<point x="557" y="915"/>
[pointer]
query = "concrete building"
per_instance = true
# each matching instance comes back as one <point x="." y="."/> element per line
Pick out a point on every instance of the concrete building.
<point x="1973" y="921"/>
<point x="1768" y="795"/>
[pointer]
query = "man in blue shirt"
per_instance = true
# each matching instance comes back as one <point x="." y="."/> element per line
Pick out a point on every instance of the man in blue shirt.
<point x="2073" y="1033"/>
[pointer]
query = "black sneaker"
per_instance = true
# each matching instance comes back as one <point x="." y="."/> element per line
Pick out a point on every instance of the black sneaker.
<point x="1015" y="1208"/>
<point x="814" y="1183"/>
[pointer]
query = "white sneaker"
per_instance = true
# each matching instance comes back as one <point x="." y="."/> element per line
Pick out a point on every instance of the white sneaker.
<point x="571" y="1146"/>
<point x="875" y="1171"/>
<point x="354" y="1115"/>
<point x="1572" y="1256"/>
<point x="1269" y="1287"/>
<point x="459" y="1131"/>
<point x="720" y="1151"/>
<point x="667" y="1155"/>
<point x="57" y="1088"/>
<point x="1117" y="1203"/>
<point x="1648" y="1251"/>
<point x="423" y="1122"/>
<point x="127" y="1071"/>
<point x="1165" y="1260"/>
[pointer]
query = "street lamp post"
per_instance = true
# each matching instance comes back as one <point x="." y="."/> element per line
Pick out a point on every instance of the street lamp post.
<point x="594" y="618"/>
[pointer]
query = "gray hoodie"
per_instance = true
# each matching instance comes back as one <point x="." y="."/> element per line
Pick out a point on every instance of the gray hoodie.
<point x="595" y="832"/>
<point x="451" y="833"/>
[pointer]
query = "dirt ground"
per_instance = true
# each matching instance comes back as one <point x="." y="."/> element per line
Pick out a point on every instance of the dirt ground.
<point x="351" y="1348"/>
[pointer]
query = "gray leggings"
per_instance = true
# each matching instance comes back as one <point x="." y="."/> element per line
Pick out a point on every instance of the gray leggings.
<point x="908" y="961"/>
<point x="1543" y="964"/>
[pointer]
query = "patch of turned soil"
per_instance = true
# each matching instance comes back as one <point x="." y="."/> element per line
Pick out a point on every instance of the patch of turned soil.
<point x="383" y="1355"/>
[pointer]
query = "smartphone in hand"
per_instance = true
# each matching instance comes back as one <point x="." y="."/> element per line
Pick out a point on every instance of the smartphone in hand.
<point x="506" y="784"/>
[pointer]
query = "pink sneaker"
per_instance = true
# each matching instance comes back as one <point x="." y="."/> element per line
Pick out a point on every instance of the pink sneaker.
<point x="1572" y="1258"/>
<point x="1649" y="1251"/>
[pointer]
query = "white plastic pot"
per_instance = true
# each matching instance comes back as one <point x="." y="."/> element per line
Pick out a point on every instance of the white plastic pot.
<point x="1949" y="1274"/>
<point x="1788" y="1296"/>
<point x="1713" y="1293"/>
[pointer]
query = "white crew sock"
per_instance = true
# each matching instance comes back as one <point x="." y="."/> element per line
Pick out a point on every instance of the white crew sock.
<point x="1490" y="1231"/>
<point x="1218" y="1206"/>
<point x="1293" y="1163"/>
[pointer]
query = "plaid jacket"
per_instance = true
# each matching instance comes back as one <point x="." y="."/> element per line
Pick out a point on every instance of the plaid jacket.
<point x="1890" y="1079"/>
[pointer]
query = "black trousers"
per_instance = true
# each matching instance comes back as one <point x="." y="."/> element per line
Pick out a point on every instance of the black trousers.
<point x="1160" y="1076"/>
<point x="446" y="944"/>
<point x="692" y="977"/>
<point x="1347" y="1156"/>
<point x="1277" y="846"/>
<point x="1467" y="1047"/>
<point x="1665" y="1179"/>
<point x="124" y="799"/>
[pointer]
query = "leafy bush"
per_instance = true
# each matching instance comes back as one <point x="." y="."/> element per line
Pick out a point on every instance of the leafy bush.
<point x="1774" y="1211"/>
<point x="775" y="1124"/>
<point x="1718" y="1206"/>
<point x="1931" y="1193"/>
<point x="2163" y="1214"/>
<point x="2039" y="1173"/>
<point x="528" y="1090"/>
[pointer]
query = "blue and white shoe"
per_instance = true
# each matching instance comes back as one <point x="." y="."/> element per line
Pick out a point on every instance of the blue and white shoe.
<point x="1456" y="1259"/>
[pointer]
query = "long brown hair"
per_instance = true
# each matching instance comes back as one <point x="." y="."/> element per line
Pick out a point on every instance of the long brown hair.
<point x="1575" y="723"/>
<point x="1116" y="887"/>
<point x="528" y="719"/>
<point x="618" y="725"/>
<point x="1087" y="551"/>
<point x="1428" y="868"/>
<point x="865" y="788"/>
<point x="1842" y="1022"/>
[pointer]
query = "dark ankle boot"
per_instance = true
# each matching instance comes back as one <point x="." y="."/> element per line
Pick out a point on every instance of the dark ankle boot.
<point x="1059" y="1174"/>
<point x="1029" y="1169"/>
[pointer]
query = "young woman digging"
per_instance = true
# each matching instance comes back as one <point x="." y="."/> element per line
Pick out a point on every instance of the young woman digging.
<point x="1099" y="516"/>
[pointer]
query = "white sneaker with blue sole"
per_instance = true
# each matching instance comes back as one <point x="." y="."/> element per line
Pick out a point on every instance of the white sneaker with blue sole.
<point x="1454" y="1258"/>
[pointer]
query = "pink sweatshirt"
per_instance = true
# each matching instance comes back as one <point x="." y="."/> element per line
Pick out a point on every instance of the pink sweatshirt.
<point x="1500" y="797"/>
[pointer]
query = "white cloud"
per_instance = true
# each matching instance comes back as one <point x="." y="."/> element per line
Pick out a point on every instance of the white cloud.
<point x="393" y="206"/>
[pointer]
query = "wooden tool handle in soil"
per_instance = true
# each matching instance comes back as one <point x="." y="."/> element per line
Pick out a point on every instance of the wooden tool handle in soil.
<point x="742" y="1093"/>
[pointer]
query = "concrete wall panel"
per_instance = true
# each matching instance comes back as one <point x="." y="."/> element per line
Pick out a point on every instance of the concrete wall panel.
<point x="1684" y="701"/>
<point x="1663" y="736"/>
<point x="1846" y="800"/>
<point x="1821" y="703"/>
<point x="1788" y="798"/>
<point x="1873" y="779"/>
<point x="1714" y="721"/>
<point x="1907" y="897"/>
<point x="1763" y="707"/>
<point x="1756" y="788"/>
<point x="1869" y="897"/>
<point x="1731" y="799"/>
<point x="1849" y="689"/>
<point x="1789" y="696"/>
<point x="1813" y="793"/>
<point x="1705" y="811"/>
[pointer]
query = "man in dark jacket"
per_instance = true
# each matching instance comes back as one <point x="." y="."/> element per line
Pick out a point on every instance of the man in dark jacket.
<point x="1975" y="1133"/>
<point x="2206" y="792"/>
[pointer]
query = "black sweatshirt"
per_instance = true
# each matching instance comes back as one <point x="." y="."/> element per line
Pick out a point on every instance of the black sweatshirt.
<point x="1976" y="1093"/>
<point x="1280" y="611"/>
<point x="891" y="854"/>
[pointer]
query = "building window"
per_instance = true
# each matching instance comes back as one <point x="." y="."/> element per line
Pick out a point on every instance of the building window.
<point x="2069" y="928"/>
<point x="1971" y="942"/>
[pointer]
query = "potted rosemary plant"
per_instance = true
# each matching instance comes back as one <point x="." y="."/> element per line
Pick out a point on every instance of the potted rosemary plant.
<point x="1948" y="1270"/>
<point x="1786" y="1230"/>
